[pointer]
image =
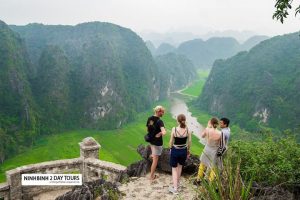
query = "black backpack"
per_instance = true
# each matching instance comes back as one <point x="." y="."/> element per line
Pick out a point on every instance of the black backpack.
<point x="222" y="147"/>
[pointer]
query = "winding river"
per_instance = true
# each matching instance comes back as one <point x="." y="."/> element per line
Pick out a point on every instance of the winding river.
<point x="178" y="106"/>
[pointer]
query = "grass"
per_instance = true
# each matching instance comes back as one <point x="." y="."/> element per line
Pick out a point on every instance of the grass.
<point x="228" y="183"/>
<point x="196" y="87"/>
<point x="201" y="116"/>
<point x="118" y="146"/>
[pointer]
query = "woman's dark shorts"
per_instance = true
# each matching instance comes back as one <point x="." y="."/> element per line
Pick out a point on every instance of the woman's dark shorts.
<point x="178" y="156"/>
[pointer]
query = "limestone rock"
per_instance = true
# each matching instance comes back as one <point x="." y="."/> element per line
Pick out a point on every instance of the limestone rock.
<point x="290" y="192"/>
<point x="139" y="168"/>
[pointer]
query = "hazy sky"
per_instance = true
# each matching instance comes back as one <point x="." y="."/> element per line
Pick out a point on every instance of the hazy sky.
<point x="195" y="16"/>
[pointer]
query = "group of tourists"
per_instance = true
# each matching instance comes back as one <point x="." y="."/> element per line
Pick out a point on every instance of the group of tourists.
<point x="180" y="144"/>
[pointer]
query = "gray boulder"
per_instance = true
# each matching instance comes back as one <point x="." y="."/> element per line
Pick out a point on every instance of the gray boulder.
<point x="140" y="168"/>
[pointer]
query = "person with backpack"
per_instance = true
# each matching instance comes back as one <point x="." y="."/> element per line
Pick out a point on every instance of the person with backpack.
<point x="180" y="143"/>
<point x="224" y="125"/>
<point x="156" y="130"/>
<point x="225" y="130"/>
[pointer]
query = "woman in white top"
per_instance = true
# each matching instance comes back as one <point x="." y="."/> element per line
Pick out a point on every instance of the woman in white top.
<point x="180" y="143"/>
<point x="209" y="157"/>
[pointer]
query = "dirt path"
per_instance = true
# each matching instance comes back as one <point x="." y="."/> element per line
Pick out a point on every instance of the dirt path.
<point x="142" y="188"/>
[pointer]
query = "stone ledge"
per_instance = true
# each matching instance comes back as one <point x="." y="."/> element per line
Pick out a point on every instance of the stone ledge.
<point x="89" y="147"/>
<point x="105" y="165"/>
<point x="4" y="187"/>
<point x="89" y="143"/>
<point x="48" y="164"/>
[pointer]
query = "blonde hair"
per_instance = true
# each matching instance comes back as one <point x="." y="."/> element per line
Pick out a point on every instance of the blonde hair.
<point x="158" y="108"/>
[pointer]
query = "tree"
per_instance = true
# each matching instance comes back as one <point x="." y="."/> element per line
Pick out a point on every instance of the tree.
<point x="282" y="8"/>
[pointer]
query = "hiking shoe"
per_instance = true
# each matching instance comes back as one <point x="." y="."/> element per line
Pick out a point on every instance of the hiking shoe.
<point x="172" y="190"/>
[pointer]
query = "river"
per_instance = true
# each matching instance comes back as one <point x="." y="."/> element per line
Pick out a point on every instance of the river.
<point x="178" y="106"/>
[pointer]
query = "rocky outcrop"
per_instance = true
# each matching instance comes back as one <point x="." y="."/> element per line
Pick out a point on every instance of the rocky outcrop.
<point x="140" y="168"/>
<point x="291" y="192"/>
<point x="99" y="189"/>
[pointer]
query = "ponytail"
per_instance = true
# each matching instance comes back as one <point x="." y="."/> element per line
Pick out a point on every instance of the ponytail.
<point x="181" y="120"/>
<point x="214" y="122"/>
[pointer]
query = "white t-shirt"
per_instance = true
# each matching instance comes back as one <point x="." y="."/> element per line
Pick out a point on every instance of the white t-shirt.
<point x="226" y="132"/>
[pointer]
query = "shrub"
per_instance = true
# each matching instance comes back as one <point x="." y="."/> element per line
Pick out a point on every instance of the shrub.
<point x="228" y="183"/>
<point x="271" y="161"/>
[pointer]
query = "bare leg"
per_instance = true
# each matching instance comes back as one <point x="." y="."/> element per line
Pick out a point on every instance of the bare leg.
<point x="175" y="177"/>
<point x="153" y="166"/>
<point x="179" y="170"/>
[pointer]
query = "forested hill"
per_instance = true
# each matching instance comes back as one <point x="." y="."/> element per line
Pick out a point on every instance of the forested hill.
<point x="99" y="73"/>
<point x="17" y="109"/>
<point x="251" y="42"/>
<point x="54" y="78"/>
<point x="164" y="48"/>
<point x="204" y="53"/>
<point x="175" y="72"/>
<point x="261" y="85"/>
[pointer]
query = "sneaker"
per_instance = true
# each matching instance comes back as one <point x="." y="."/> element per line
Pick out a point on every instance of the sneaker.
<point x="172" y="190"/>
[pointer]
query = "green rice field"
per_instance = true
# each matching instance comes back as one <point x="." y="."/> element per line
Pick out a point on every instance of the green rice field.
<point x="196" y="87"/>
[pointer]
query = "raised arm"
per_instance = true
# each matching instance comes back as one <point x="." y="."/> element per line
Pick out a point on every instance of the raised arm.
<point x="204" y="133"/>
